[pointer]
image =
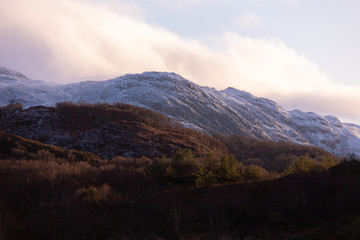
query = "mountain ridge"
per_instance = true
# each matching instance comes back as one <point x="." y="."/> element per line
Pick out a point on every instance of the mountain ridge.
<point x="229" y="111"/>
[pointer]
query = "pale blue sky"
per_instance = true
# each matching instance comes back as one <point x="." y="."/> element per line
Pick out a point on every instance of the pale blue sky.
<point x="302" y="54"/>
<point x="324" y="31"/>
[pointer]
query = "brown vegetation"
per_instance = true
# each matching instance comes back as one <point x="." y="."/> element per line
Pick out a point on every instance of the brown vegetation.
<point x="52" y="198"/>
<point x="108" y="130"/>
<point x="16" y="147"/>
<point x="273" y="156"/>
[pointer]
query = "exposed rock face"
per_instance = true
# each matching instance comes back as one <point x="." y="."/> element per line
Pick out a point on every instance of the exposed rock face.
<point x="229" y="111"/>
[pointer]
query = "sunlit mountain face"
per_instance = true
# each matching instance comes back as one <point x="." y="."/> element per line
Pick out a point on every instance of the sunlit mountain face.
<point x="208" y="110"/>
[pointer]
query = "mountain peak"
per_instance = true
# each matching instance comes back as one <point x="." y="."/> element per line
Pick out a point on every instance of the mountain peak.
<point x="10" y="76"/>
<point x="157" y="76"/>
<point x="237" y="93"/>
<point x="154" y="75"/>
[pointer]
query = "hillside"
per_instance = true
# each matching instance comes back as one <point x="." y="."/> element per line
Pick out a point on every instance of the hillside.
<point x="16" y="147"/>
<point x="229" y="111"/>
<point x="47" y="198"/>
<point x="271" y="155"/>
<point x="106" y="130"/>
<point x="130" y="131"/>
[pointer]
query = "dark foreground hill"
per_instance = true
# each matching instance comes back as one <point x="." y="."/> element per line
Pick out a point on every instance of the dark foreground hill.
<point x="106" y="130"/>
<point x="46" y="198"/>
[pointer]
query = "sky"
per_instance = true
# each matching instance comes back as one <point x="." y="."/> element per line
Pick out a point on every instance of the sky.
<point x="303" y="54"/>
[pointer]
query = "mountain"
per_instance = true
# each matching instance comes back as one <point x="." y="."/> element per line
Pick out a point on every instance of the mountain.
<point x="8" y="76"/>
<point x="229" y="111"/>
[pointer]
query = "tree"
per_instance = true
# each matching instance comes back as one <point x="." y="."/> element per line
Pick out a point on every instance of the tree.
<point x="159" y="167"/>
<point x="229" y="168"/>
<point x="211" y="163"/>
<point x="327" y="163"/>
<point x="303" y="164"/>
<point x="253" y="173"/>
<point x="184" y="163"/>
<point x="204" y="177"/>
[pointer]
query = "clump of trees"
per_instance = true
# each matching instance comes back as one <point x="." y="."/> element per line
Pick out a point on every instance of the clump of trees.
<point x="307" y="164"/>
<point x="184" y="167"/>
<point x="274" y="156"/>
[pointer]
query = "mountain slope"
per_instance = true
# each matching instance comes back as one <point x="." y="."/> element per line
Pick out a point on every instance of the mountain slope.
<point x="229" y="111"/>
<point x="107" y="130"/>
<point x="13" y="147"/>
<point x="8" y="76"/>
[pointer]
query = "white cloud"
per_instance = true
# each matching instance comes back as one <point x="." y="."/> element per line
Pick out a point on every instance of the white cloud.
<point x="246" y="20"/>
<point x="185" y="5"/>
<point x="69" y="40"/>
<point x="277" y="1"/>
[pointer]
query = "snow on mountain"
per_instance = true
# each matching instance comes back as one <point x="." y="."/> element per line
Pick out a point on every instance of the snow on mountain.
<point x="229" y="111"/>
<point x="16" y="87"/>
<point x="8" y="76"/>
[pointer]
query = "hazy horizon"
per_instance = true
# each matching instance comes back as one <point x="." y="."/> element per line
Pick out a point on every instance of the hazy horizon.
<point x="298" y="53"/>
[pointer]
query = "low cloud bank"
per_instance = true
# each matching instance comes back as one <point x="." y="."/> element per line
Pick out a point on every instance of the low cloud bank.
<point x="74" y="40"/>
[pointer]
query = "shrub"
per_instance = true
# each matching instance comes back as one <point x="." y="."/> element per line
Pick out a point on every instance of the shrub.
<point x="94" y="195"/>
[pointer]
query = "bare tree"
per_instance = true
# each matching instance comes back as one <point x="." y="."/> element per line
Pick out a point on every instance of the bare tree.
<point x="175" y="219"/>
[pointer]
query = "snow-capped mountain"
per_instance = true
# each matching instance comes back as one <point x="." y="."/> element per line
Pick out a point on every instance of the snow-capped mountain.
<point x="229" y="111"/>
<point x="8" y="76"/>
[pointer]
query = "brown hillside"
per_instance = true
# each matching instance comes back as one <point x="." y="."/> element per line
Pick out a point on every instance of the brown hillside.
<point x="107" y="130"/>
<point x="16" y="147"/>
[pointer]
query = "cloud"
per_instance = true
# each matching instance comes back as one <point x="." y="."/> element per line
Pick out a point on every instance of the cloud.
<point x="179" y="5"/>
<point x="246" y="20"/>
<point x="74" y="40"/>
<point x="185" y="5"/>
<point x="342" y="102"/>
<point x="276" y="1"/>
